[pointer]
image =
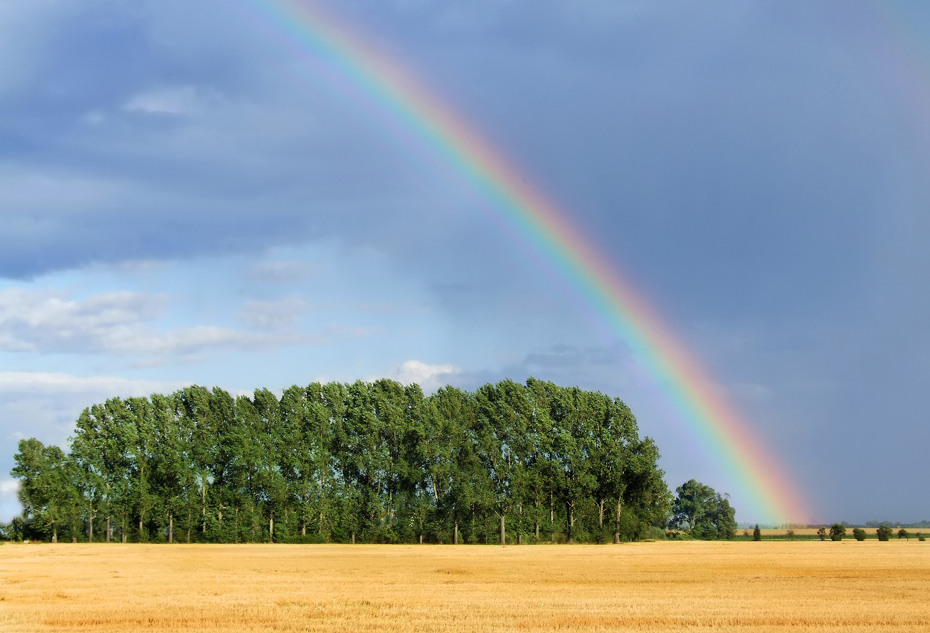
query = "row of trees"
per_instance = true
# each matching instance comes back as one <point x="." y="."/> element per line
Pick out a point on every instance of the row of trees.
<point x="378" y="462"/>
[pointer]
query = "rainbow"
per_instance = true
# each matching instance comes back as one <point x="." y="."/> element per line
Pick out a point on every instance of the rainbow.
<point x="330" y="47"/>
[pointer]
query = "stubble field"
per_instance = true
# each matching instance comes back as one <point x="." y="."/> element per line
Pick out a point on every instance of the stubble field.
<point x="664" y="586"/>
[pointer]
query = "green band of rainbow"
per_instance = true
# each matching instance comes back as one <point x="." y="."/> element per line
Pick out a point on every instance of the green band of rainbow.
<point x="313" y="33"/>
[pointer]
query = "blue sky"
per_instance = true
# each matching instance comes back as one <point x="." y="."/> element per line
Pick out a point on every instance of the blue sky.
<point x="185" y="200"/>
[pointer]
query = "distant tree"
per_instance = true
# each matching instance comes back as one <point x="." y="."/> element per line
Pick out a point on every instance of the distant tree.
<point x="822" y="533"/>
<point x="790" y="534"/>
<point x="46" y="490"/>
<point x="883" y="532"/>
<point x="902" y="533"/>
<point x="859" y="534"/>
<point x="705" y="513"/>
<point x="756" y="533"/>
<point x="837" y="531"/>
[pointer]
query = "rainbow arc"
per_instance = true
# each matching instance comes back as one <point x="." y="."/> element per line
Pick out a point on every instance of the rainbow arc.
<point x="548" y="230"/>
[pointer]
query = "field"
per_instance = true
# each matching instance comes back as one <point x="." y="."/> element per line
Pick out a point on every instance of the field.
<point x="663" y="586"/>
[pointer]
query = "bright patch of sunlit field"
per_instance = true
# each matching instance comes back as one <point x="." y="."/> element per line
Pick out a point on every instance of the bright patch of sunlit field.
<point x="661" y="586"/>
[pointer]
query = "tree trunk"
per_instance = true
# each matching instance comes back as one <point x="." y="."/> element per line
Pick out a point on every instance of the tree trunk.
<point x="353" y="537"/>
<point x="171" y="527"/>
<point x="90" y="529"/>
<point x="54" y="534"/>
<point x="108" y="530"/>
<point x="570" y="507"/>
<point x="503" y="528"/>
<point x="455" y="532"/>
<point x="617" y="527"/>
<point x="203" y="505"/>
<point x="271" y="528"/>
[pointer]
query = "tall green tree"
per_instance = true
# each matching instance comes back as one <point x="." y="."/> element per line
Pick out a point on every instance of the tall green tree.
<point x="46" y="489"/>
<point x="503" y="411"/>
<point x="705" y="513"/>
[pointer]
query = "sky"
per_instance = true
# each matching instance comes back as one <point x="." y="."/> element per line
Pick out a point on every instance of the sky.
<point x="189" y="197"/>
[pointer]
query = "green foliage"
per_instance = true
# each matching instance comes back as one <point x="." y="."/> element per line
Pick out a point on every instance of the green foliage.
<point x="859" y="534"/>
<point x="884" y="532"/>
<point x="902" y="533"/>
<point x="363" y="462"/>
<point x="756" y="533"/>
<point x="822" y="533"/>
<point x="790" y="534"/>
<point x="705" y="513"/>
<point x="837" y="532"/>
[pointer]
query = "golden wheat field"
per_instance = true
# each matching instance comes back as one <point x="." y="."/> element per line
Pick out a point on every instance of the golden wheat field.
<point x="662" y="586"/>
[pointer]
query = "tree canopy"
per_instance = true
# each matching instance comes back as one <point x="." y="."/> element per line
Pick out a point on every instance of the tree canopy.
<point x="373" y="462"/>
<point x="704" y="512"/>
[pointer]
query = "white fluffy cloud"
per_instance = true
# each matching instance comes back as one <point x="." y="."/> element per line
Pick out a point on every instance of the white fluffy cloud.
<point x="429" y="377"/>
<point x="124" y="323"/>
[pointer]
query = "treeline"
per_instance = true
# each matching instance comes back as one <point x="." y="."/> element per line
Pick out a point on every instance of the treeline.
<point x="370" y="462"/>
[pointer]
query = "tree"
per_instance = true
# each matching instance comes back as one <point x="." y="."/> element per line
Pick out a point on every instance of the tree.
<point x="756" y="533"/>
<point x="822" y="533"/>
<point x="837" y="532"/>
<point x="705" y="513"/>
<point x="859" y="534"/>
<point x="501" y="419"/>
<point x="46" y="490"/>
<point x="883" y="532"/>
<point x="902" y="533"/>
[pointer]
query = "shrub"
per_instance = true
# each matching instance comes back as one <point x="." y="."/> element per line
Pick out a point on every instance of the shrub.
<point x="756" y="533"/>
<point x="837" y="531"/>
<point x="902" y="533"/>
<point x="822" y="533"/>
<point x="920" y="537"/>
<point x="859" y="534"/>
<point x="790" y="534"/>
<point x="883" y="532"/>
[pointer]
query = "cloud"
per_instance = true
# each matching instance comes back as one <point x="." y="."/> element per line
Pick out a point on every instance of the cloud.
<point x="9" y="501"/>
<point x="429" y="377"/>
<point x="176" y="100"/>
<point x="273" y="315"/>
<point x="45" y="195"/>
<point x="51" y="383"/>
<point x="44" y="321"/>
<point x="279" y="272"/>
<point x="121" y="323"/>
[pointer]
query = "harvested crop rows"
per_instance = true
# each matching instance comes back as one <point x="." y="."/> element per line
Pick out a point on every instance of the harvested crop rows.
<point x="664" y="586"/>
